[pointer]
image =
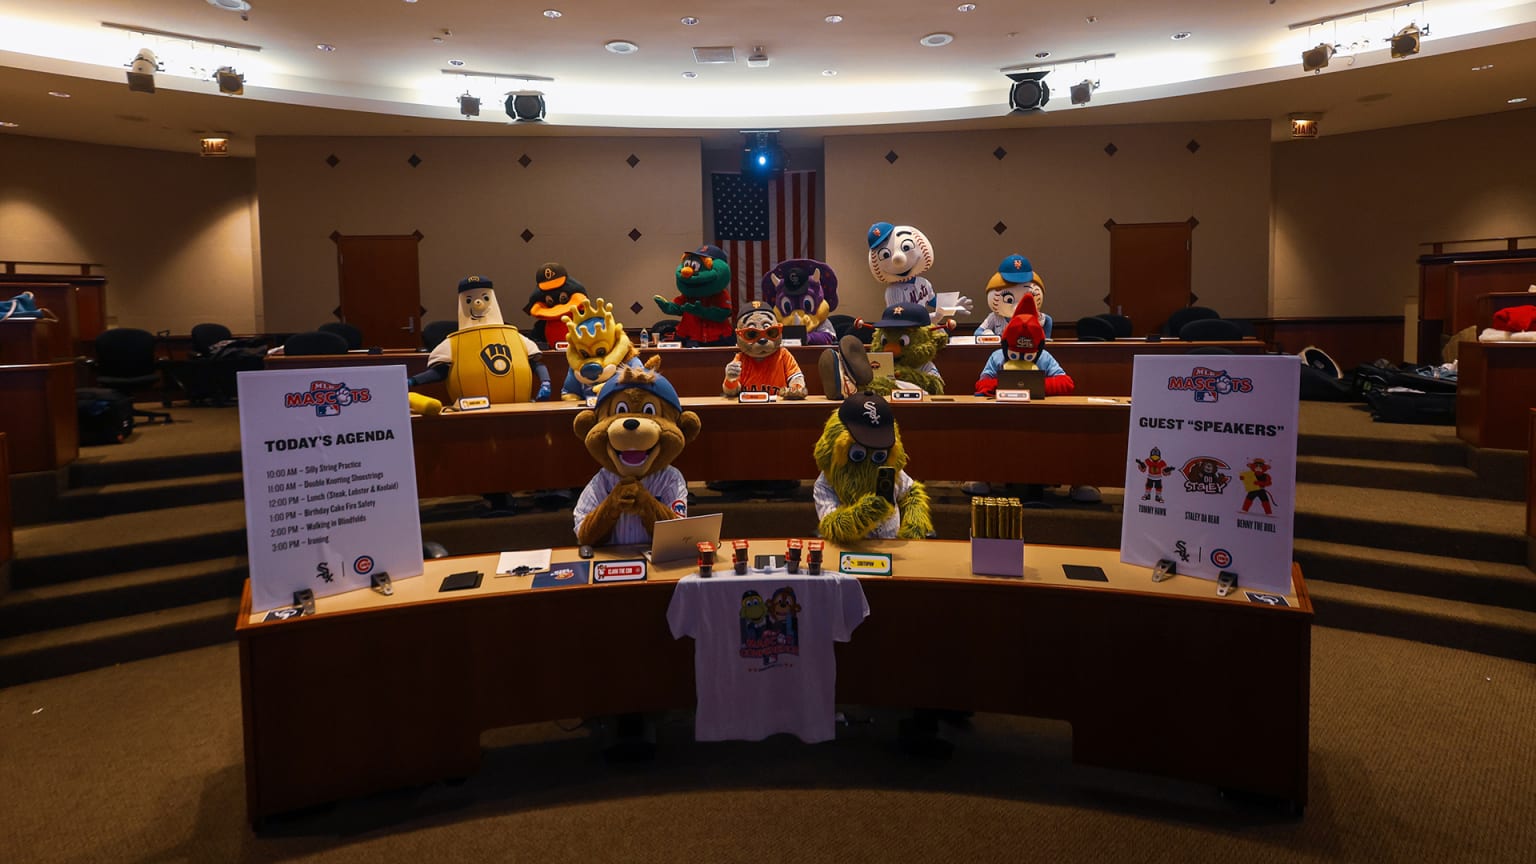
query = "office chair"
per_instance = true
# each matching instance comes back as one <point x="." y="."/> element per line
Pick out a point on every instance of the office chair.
<point x="205" y="336"/>
<point x="314" y="342"/>
<point x="434" y="332"/>
<point x="663" y="330"/>
<point x="125" y="362"/>
<point x="1180" y="317"/>
<point x="1122" y="324"/>
<point x="842" y="325"/>
<point x="1211" y="349"/>
<point x="1095" y="329"/>
<point x="348" y="332"/>
<point x="1210" y="330"/>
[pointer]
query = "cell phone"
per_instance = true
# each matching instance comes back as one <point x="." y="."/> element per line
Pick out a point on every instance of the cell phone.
<point x="461" y="581"/>
<point x="885" y="483"/>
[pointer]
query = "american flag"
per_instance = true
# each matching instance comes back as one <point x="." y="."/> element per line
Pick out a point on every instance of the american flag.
<point x="758" y="225"/>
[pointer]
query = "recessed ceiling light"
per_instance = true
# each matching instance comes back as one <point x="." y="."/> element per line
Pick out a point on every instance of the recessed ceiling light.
<point x="455" y="62"/>
<point x="231" y="5"/>
<point x="690" y="74"/>
<point x="58" y="93"/>
<point x="1515" y="101"/>
<point x="552" y="14"/>
<point x="1180" y="36"/>
<point x="1092" y="19"/>
<point x="621" y="46"/>
<point x="324" y="46"/>
<point x="8" y="124"/>
<point x="1482" y="68"/>
<point x="689" y="21"/>
<point x="936" y="40"/>
<point x="410" y="1"/>
<point x="437" y="40"/>
<point x="829" y="72"/>
<point x="1041" y="55"/>
<point x="966" y="7"/>
<point x="834" y="19"/>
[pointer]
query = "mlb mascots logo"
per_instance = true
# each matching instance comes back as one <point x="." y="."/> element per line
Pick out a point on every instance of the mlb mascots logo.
<point x="326" y="398"/>
<point x="1209" y="385"/>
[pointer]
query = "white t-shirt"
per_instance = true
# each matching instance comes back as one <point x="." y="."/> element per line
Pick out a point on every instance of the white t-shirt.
<point x="763" y="660"/>
<point x="667" y="485"/>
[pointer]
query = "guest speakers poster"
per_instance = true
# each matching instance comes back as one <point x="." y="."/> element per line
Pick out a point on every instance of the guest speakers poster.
<point x="330" y="480"/>
<point x="1210" y="479"/>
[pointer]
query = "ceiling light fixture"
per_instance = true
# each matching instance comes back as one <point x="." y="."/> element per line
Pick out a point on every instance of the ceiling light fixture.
<point x="58" y="94"/>
<point x="6" y="124"/>
<point x="758" y="59"/>
<point x="689" y="21"/>
<point x="1082" y="92"/>
<point x="1029" y="91"/>
<point x="834" y="19"/>
<point x="690" y="74"/>
<point x="829" y="72"/>
<point x="325" y="46"/>
<point x="1314" y="59"/>
<point x="1180" y="36"/>
<point x="526" y="106"/>
<point x="1483" y="68"/>
<point x="966" y="7"/>
<point x="1041" y="55"/>
<point x="231" y="83"/>
<point x="141" y="71"/>
<point x="1405" y="43"/>
<point x="180" y="37"/>
<point x="936" y="40"/>
<point x="621" y="46"/>
<point x="455" y="62"/>
<point x="469" y="104"/>
<point x="231" y="6"/>
<point x="552" y="14"/>
<point x="1515" y="101"/>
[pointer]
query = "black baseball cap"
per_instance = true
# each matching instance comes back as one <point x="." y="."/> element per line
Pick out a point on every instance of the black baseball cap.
<point x="869" y="420"/>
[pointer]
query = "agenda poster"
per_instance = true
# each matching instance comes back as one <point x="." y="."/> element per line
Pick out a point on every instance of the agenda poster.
<point x="1210" y="479"/>
<point x="330" y="480"/>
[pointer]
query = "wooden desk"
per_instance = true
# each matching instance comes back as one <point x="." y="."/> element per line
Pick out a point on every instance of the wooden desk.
<point x="7" y="540"/>
<point x="379" y="692"/>
<point x="1495" y="390"/>
<point x="1530" y="493"/>
<point x="1070" y="440"/>
<point x="39" y="415"/>
<point x="28" y="340"/>
<point x="414" y="362"/>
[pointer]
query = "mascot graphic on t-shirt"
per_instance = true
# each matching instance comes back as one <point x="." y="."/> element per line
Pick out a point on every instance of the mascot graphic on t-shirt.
<point x="769" y="629"/>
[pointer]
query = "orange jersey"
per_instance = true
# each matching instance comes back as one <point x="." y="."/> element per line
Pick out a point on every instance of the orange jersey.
<point x="769" y="374"/>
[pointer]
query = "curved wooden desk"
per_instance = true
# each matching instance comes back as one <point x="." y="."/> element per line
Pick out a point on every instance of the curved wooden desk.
<point x="378" y="692"/>
<point x="1069" y="439"/>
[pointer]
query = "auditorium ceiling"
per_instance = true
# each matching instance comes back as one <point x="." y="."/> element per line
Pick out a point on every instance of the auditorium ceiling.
<point x="604" y="67"/>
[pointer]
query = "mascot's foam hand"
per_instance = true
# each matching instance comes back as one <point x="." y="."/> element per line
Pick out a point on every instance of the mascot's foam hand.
<point x="543" y="394"/>
<point x="422" y="404"/>
<point x="987" y="386"/>
<point x="1056" y="385"/>
<point x="916" y="517"/>
<point x="666" y="305"/>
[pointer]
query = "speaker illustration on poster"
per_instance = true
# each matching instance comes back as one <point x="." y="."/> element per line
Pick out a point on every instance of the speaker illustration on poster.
<point x="1210" y="479"/>
<point x="330" y="481"/>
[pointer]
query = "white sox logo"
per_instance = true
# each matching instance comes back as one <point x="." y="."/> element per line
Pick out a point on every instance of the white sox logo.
<point x="872" y="411"/>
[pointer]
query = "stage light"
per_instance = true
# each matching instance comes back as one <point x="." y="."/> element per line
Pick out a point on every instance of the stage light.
<point x="230" y="81"/>
<point x="141" y="71"/>
<point x="761" y="156"/>
<point x="469" y="105"/>
<point x="525" y="106"/>
<point x="1314" y="59"/>
<point x="1029" y="91"/>
<point x="1406" y="42"/>
<point x="1082" y="93"/>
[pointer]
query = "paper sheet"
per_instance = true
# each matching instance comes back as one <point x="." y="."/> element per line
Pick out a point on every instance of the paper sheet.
<point x="534" y="559"/>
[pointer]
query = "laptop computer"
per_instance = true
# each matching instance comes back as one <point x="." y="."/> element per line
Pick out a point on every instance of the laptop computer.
<point x="1032" y="380"/>
<point x="676" y="539"/>
<point x="793" y="331"/>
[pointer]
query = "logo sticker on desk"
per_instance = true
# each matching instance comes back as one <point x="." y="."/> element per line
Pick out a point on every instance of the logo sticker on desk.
<point x="1266" y="599"/>
<point x="864" y="563"/>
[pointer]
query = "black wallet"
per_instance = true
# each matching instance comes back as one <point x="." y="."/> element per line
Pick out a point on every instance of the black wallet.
<point x="1084" y="572"/>
<point x="461" y="581"/>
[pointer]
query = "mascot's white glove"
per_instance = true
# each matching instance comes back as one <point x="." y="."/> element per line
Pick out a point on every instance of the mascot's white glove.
<point x="733" y="370"/>
<point x="965" y="304"/>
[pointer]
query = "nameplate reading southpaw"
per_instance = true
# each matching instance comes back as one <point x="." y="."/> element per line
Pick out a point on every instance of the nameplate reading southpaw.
<point x="754" y="396"/>
<point x="864" y="563"/>
<point x="1013" y="395"/>
<point x="474" y="403"/>
<point x="903" y="395"/>
<point x="618" y="571"/>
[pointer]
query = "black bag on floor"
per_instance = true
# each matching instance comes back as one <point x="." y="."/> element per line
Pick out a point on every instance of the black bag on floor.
<point x="106" y="416"/>
<point x="1371" y="376"/>
<point x="1408" y="407"/>
<point x="1418" y="378"/>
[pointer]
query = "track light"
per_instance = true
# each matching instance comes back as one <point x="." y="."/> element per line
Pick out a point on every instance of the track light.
<point x="1029" y="91"/>
<point x="525" y="106"/>
<point x="1406" y="42"/>
<point x="141" y="71"/>
<point x="1082" y="92"/>
<point x="1314" y="59"/>
<point x="230" y="82"/>
<point x="469" y="105"/>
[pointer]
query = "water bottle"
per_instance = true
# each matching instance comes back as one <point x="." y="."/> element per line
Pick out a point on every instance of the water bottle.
<point x="645" y="338"/>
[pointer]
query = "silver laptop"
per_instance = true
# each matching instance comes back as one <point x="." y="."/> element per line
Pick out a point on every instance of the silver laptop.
<point x="676" y="539"/>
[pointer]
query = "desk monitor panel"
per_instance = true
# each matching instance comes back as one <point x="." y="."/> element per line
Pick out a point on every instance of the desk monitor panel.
<point x="883" y="363"/>
<point x="793" y="331"/>
<point x="676" y="539"/>
<point x="1032" y="380"/>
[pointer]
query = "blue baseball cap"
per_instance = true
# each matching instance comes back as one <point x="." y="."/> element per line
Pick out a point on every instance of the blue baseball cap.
<point x="657" y="385"/>
<point x="469" y="283"/>
<point x="879" y="233"/>
<point x="1016" y="269"/>
<point x="905" y="315"/>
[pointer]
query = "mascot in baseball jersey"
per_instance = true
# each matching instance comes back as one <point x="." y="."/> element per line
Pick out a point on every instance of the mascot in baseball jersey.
<point x="485" y="357"/>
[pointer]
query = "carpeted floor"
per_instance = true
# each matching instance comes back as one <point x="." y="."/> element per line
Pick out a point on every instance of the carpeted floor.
<point x="1419" y="754"/>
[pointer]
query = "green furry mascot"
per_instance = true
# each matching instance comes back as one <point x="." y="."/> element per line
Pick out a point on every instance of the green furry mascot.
<point x="859" y="440"/>
<point x="905" y="332"/>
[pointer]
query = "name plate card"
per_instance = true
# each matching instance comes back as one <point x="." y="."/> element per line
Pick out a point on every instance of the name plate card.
<point x="618" y="571"/>
<point x="749" y="396"/>
<point x="1013" y="395"/>
<point x="669" y="344"/>
<point x="904" y="395"/>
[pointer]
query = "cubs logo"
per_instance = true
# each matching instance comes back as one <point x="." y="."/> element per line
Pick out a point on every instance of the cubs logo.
<point x="1209" y="385"/>
<point x="680" y="506"/>
<point x="363" y="565"/>
<point x="497" y="358"/>
<point x="1205" y="474"/>
<point x="1221" y="558"/>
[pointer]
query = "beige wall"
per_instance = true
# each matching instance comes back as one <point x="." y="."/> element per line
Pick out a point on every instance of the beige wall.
<point x="1054" y="190"/>
<point x="174" y="231"/>
<point x="1350" y="210"/>
<point x="471" y="199"/>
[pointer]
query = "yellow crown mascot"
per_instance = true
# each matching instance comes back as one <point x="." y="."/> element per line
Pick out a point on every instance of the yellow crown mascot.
<point x="596" y="346"/>
<point x="484" y="357"/>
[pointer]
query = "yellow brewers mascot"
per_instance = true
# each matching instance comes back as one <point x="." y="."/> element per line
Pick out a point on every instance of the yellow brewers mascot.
<point x="484" y="357"/>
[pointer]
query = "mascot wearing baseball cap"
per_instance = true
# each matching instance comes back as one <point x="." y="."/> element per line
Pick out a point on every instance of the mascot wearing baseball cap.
<point x="859" y="440"/>
<point x="1024" y="348"/>
<point x="898" y="256"/>
<point x="762" y="363"/>
<point x="1014" y="278"/>
<point x="634" y="433"/>
<point x="803" y="292"/>
<point x="555" y="296"/>
<point x="703" y="303"/>
<point x="485" y="357"/>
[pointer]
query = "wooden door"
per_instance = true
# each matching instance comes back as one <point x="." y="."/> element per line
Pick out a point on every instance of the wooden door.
<point x="380" y="287"/>
<point x="1149" y="271"/>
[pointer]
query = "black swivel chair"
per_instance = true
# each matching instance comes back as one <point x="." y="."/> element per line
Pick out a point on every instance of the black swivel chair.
<point x="1180" y="317"/>
<point x="663" y="330"/>
<point x="1121" y="323"/>
<point x="205" y="336"/>
<point x="125" y="362"/>
<point x="314" y="342"/>
<point x="434" y="332"/>
<point x="348" y="332"/>
<point x="1210" y="330"/>
<point x="1095" y="329"/>
<point x="843" y="325"/>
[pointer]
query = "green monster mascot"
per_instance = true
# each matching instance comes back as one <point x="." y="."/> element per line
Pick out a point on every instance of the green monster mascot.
<point x="704" y="298"/>
<point x="858" y="441"/>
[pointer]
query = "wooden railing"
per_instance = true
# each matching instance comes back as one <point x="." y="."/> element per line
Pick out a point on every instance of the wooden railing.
<point x="1512" y="244"/>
